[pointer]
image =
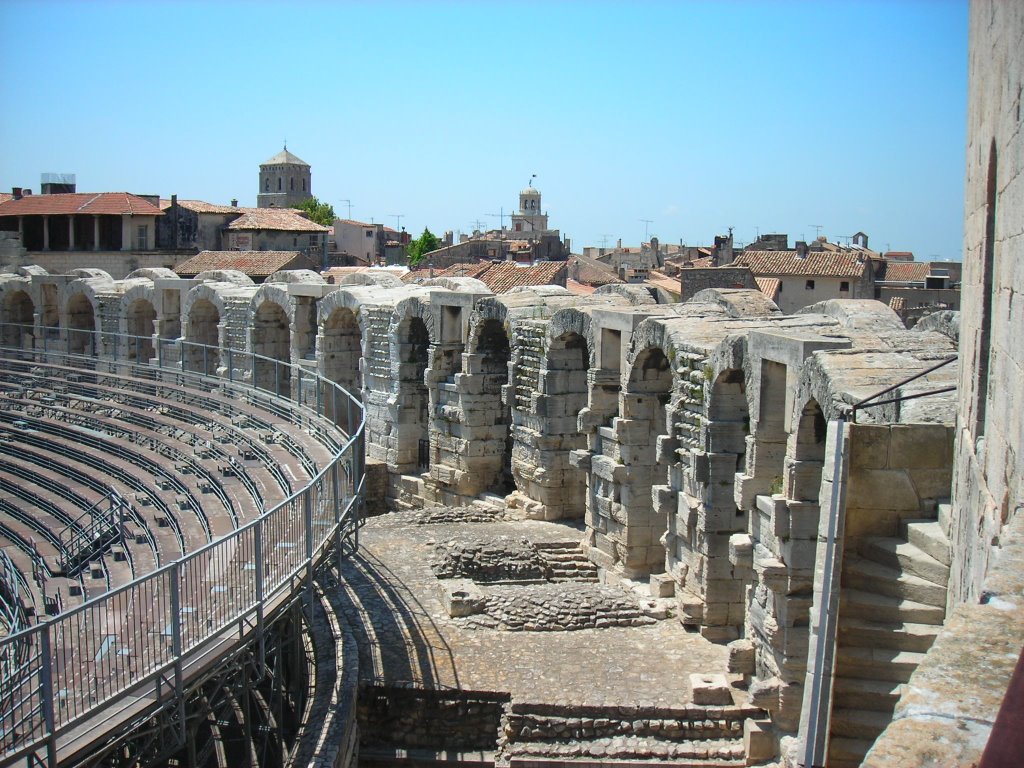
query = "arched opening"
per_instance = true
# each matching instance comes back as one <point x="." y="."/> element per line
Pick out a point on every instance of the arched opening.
<point x="413" y="397"/>
<point x="141" y="325"/>
<point x="567" y="362"/>
<point x="494" y="355"/>
<point x="803" y="476"/>
<point x="81" y="325"/>
<point x="340" y="352"/>
<point x="271" y="343"/>
<point x="770" y="435"/>
<point x="18" y="319"/>
<point x="202" y="347"/>
<point x="644" y="405"/>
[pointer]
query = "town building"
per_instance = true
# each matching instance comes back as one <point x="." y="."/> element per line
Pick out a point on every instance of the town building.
<point x="359" y="243"/>
<point x="256" y="265"/>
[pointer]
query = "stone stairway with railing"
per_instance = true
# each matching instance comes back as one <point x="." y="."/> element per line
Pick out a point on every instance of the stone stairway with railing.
<point x="892" y="606"/>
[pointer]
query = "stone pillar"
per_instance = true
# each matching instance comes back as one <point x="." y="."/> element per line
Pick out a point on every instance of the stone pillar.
<point x="21" y="229"/>
<point x="71" y="233"/>
<point x="95" y="232"/>
<point x="46" y="233"/>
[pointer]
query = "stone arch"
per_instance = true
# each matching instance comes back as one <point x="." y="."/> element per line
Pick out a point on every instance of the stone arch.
<point x="806" y="455"/>
<point x="490" y="352"/>
<point x="140" y="327"/>
<point x="411" y="422"/>
<point x="340" y="354"/>
<point x="564" y="386"/>
<point x="18" y="317"/>
<point x="80" y="318"/>
<point x="202" y="313"/>
<point x="270" y="343"/>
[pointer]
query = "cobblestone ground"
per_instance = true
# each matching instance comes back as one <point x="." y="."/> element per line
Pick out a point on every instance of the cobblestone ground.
<point x="393" y="602"/>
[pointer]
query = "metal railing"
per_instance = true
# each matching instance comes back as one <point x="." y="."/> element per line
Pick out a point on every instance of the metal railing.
<point x="133" y="646"/>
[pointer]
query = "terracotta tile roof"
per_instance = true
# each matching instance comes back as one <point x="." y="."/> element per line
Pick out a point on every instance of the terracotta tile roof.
<point x="256" y="264"/>
<point x="579" y="289"/>
<point x="816" y="264"/>
<point x="593" y="272"/>
<point x="104" y="203"/>
<point x="702" y="263"/>
<point x="500" y="276"/>
<point x="201" y="206"/>
<point x="5" y="196"/>
<point x="355" y="223"/>
<point x="897" y="303"/>
<point x="903" y="271"/>
<point x="280" y="219"/>
<point x="769" y="286"/>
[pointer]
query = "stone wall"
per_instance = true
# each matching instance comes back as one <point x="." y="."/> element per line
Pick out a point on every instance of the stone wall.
<point x="695" y="280"/>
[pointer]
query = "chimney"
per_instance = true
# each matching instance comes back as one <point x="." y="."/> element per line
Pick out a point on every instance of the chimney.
<point x="26" y="192"/>
<point x="234" y="202"/>
<point x="16" y="192"/>
<point x="801" y="249"/>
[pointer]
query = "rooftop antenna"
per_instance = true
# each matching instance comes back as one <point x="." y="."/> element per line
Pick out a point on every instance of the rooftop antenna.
<point x="530" y="183"/>
<point x="479" y="225"/>
<point x="398" y="219"/>
<point x="286" y="145"/>
<point x="647" y="225"/>
<point x="604" y="240"/>
<point x="501" y="232"/>
<point x="349" y="204"/>
<point x="817" y="230"/>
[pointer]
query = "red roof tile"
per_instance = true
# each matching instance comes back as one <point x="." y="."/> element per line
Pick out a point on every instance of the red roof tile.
<point x="502" y="276"/>
<point x="904" y="271"/>
<point x="103" y="203"/>
<point x="280" y="219"/>
<point x="815" y="264"/>
<point x="769" y="286"/>
<point x="201" y="206"/>
<point x="252" y="263"/>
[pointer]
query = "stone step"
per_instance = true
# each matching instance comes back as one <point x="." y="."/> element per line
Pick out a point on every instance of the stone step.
<point x="908" y="557"/>
<point x="865" y="633"/>
<point x="870" y="576"/>
<point x="858" y="693"/>
<point x="572" y="546"/>
<point x="858" y="723"/>
<point x="856" y="603"/>
<point x="627" y="751"/>
<point x="843" y="751"/>
<point x="945" y="517"/>
<point x="877" y="663"/>
<point x="928" y="536"/>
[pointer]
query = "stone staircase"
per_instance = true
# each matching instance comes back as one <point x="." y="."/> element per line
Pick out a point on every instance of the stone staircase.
<point x="892" y="607"/>
<point x="532" y="734"/>
<point x="568" y="561"/>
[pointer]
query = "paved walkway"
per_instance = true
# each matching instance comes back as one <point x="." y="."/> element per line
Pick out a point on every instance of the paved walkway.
<point x="409" y="638"/>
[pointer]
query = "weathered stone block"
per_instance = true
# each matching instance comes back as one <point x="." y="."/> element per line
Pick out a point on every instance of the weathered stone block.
<point x="758" y="741"/>
<point x="920" y="446"/>
<point x="882" y="489"/>
<point x="741" y="657"/>
<point x="710" y="690"/>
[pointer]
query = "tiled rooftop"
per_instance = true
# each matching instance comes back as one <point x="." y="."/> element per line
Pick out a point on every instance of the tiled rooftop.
<point x="280" y="219"/>
<point x="904" y="271"/>
<point x="815" y="264"/>
<point x="201" y="206"/>
<point x="502" y="276"/>
<point x="769" y="286"/>
<point x="102" y="203"/>
<point x="256" y="264"/>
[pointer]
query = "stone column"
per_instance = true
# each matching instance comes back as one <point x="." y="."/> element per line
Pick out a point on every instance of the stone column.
<point x="21" y="229"/>
<point x="95" y="232"/>
<point x="46" y="233"/>
<point x="71" y="233"/>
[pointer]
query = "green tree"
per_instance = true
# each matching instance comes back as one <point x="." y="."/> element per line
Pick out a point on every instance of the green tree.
<point x="421" y="246"/>
<point x="320" y="213"/>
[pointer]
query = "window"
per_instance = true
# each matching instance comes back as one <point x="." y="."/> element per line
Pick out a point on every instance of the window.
<point x="278" y="183"/>
<point x="369" y="233"/>
<point x="291" y="184"/>
<point x="809" y="285"/>
<point x="141" y="238"/>
<point x="303" y="185"/>
<point x="266" y="185"/>
<point x="844" y="286"/>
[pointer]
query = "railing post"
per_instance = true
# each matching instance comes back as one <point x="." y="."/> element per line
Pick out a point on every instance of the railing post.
<point x="177" y="644"/>
<point x="307" y="513"/>
<point x="261" y="654"/>
<point x="231" y="366"/>
<point x="46" y="685"/>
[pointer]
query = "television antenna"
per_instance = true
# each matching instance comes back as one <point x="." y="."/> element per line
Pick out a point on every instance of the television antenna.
<point x="647" y="225"/>
<point x="817" y="230"/>
<point x="349" y="204"/>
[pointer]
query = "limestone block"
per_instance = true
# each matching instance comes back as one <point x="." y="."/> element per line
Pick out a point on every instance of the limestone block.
<point x="666" y="448"/>
<point x="663" y="499"/>
<point x="932" y="483"/>
<point x="758" y="741"/>
<point x="764" y="694"/>
<point x="461" y="597"/>
<point x="691" y="609"/>
<point x="662" y="585"/>
<point x="920" y="446"/>
<point x="741" y="549"/>
<point x="746" y="489"/>
<point x="710" y="690"/>
<point x="580" y="459"/>
<point x="803" y="519"/>
<point x="589" y="420"/>
<point x="882" y="489"/>
<point x="869" y="446"/>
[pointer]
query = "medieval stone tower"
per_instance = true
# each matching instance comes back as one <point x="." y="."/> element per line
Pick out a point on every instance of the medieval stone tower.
<point x="284" y="181"/>
<point x="529" y="218"/>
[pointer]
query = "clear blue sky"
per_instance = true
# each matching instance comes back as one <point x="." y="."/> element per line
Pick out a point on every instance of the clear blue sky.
<point x="770" y="116"/>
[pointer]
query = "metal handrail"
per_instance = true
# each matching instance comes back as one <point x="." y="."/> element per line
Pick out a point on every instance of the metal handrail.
<point x="71" y="667"/>
<point x="866" y="402"/>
